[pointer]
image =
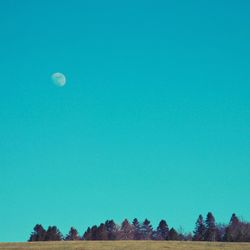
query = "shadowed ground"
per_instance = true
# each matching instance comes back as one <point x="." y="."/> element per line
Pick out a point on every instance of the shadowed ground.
<point x="125" y="245"/>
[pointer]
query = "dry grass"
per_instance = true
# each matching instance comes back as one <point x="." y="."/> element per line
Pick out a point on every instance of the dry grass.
<point x="125" y="245"/>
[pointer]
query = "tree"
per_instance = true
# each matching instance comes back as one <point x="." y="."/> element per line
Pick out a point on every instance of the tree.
<point x="233" y="232"/>
<point x="245" y="232"/>
<point x="162" y="231"/>
<point x="172" y="235"/>
<point x="111" y="229"/>
<point x="126" y="231"/>
<point x="87" y="234"/>
<point x="210" y="234"/>
<point x="38" y="234"/>
<point x="200" y="229"/>
<point x="146" y="230"/>
<point x="228" y="235"/>
<point x="72" y="235"/>
<point x="53" y="234"/>
<point x="136" y="230"/>
<point x="220" y="232"/>
<point x="101" y="232"/>
<point x="234" y="221"/>
<point x="94" y="232"/>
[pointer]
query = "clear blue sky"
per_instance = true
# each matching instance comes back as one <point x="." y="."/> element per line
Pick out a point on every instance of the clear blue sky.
<point x="154" y="120"/>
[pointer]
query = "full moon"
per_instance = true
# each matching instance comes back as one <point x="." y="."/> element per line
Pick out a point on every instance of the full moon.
<point x="58" y="79"/>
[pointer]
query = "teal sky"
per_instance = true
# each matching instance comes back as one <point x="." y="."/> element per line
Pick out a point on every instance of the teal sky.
<point x="154" y="120"/>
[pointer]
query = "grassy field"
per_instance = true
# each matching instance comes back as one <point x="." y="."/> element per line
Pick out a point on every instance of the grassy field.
<point x="125" y="245"/>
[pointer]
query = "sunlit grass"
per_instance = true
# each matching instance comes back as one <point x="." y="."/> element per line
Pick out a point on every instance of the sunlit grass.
<point x="125" y="245"/>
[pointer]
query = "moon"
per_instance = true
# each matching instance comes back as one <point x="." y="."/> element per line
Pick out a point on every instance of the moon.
<point x="58" y="79"/>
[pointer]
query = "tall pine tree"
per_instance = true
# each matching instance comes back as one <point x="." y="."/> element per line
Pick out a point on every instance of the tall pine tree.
<point x="146" y="230"/>
<point x="200" y="229"/>
<point x="126" y="231"/>
<point x="162" y="231"/>
<point x="136" y="230"/>
<point x="72" y="234"/>
<point x="87" y="234"/>
<point x="101" y="233"/>
<point x="111" y="229"/>
<point x="173" y="235"/>
<point x="39" y="233"/>
<point x="233" y="230"/>
<point x="53" y="234"/>
<point x="210" y="234"/>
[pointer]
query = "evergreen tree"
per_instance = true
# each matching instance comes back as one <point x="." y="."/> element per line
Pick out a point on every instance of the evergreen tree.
<point x="172" y="235"/>
<point x="101" y="233"/>
<point x="87" y="234"/>
<point x="146" y="230"/>
<point x="111" y="229"/>
<point x="72" y="235"/>
<point x="200" y="229"/>
<point x="233" y="230"/>
<point x="136" y="230"/>
<point x="220" y="232"/>
<point x="53" y="234"/>
<point x="38" y="234"/>
<point x="210" y="234"/>
<point x="93" y="231"/>
<point x="234" y="221"/>
<point x="228" y="235"/>
<point x="126" y="231"/>
<point x="162" y="231"/>
<point x="236" y="231"/>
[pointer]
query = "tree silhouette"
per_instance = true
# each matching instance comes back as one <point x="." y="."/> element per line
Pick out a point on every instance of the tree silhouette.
<point x="39" y="233"/>
<point x="126" y="231"/>
<point x="94" y="232"/>
<point x="210" y="234"/>
<point x="136" y="229"/>
<point x="111" y="229"/>
<point x="87" y="234"/>
<point x="146" y="230"/>
<point x="72" y="235"/>
<point x="220" y="232"/>
<point x="200" y="229"/>
<point x="172" y="235"/>
<point x="53" y="234"/>
<point x="235" y="231"/>
<point x="101" y="233"/>
<point x="162" y="231"/>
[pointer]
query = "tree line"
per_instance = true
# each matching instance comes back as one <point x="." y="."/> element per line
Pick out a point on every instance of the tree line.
<point x="205" y="230"/>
